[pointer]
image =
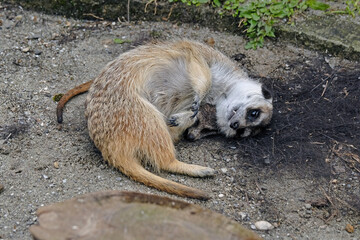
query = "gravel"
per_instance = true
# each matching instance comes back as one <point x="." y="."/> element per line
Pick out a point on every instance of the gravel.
<point x="43" y="163"/>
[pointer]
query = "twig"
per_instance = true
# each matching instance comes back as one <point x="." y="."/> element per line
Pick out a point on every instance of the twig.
<point x="346" y="204"/>
<point x="240" y="22"/>
<point x="7" y="138"/>
<point x="273" y="145"/>
<point x="148" y="3"/>
<point x="171" y="10"/>
<point x="128" y="10"/>
<point x="93" y="15"/>
<point x="257" y="185"/>
<point x="247" y="198"/>
<point x="333" y="214"/>
<point x="326" y="85"/>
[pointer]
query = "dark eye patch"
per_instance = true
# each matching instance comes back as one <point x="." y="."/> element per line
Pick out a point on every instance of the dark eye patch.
<point x="253" y="114"/>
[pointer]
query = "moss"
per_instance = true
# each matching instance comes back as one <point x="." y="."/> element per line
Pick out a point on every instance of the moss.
<point x="57" y="97"/>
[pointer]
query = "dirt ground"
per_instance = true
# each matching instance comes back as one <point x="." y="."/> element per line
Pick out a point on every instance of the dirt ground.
<point x="301" y="174"/>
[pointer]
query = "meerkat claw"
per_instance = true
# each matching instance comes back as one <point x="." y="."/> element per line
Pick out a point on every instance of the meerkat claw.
<point x="195" y="108"/>
<point x="172" y="121"/>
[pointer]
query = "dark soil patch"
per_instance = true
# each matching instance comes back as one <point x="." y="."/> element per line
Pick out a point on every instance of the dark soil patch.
<point x="316" y="117"/>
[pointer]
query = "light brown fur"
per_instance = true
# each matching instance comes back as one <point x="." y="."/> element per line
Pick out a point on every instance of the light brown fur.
<point x="127" y="116"/>
<point x="143" y="101"/>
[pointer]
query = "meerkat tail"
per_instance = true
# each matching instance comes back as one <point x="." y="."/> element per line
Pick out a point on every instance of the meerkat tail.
<point x="138" y="173"/>
<point x="67" y="96"/>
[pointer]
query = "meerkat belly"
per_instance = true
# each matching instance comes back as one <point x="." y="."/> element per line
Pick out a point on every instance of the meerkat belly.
<point x="169" y="88"/>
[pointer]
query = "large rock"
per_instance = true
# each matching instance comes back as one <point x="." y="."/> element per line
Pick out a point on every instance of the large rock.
<point x="128" y="215"/>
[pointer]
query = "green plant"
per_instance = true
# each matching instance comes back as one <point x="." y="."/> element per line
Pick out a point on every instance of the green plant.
<point x="259" y="16"/>
<point x="352" y="7"/>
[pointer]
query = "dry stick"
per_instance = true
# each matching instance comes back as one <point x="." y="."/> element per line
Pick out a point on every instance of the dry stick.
<point x="93" y="15"/>
<point x="128" y="10"/>
<point x="346" y="204"/>
<point x="247" y="198"/>
<point x="7" y="138"/>
<point x="345" y="160"/>
<point x="273" y="145"/>
<point x="148" y="3"/>
<point x="171" y="10"/>
<point x="326" y="85"/>
<point x="257" y="185"/>
<point x="332" y="204"/>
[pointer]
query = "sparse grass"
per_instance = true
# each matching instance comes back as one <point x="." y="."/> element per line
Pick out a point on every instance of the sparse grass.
<point x="258" y="17"/>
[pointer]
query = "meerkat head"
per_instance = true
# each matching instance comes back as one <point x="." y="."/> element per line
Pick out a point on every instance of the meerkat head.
<point x="244" y="109"/>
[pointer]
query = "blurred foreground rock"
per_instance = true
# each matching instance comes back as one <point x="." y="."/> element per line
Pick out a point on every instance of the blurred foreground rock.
<point x="128" y="215"/>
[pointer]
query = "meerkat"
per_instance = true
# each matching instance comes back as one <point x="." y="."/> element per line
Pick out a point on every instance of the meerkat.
<point x="143" y="102"/>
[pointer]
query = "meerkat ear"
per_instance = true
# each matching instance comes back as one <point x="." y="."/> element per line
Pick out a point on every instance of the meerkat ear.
<point x="266" y="92"/>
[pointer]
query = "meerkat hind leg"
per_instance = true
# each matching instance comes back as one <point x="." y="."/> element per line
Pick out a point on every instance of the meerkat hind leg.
<point x="176" y="166"/>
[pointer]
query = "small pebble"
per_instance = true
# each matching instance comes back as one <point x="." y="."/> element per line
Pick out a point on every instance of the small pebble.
<point x="263" y="225"/>
<point x="25" y="50"/>
<point x="243" y="215"/>
<point x="18" y="18"/>
<point x="223" y="170"/>
<point x="1" y="188"/>
<point x="349" y="228"/>
<point x="37" y="52"/>
<point x="322" y="226"/>
<point x="252" y="226"/>
<point x="221" y="195"/>
<point x="308" y="206"/>
<point x="56" y="165"/>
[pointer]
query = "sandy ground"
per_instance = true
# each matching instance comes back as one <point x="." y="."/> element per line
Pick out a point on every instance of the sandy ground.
<point x="42" y="163"/>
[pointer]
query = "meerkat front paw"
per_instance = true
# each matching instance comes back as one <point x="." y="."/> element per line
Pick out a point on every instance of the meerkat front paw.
<point x="183" y="119"/>
<point x="173" y="121"/>
<point x="195" y="106"/>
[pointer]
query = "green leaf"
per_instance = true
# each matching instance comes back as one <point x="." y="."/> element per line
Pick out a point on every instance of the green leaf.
<point x="121" y="41"/>
<point x="246" y="14"/>
<point x="217" y="3"/>
<point x="268" y="28"/>
<point x="250" y="45"/>
<point x="271" y="33"/>
<point x="202" y="1"/>
<point x="255" y="16"/>
<point x="316" y="5"/>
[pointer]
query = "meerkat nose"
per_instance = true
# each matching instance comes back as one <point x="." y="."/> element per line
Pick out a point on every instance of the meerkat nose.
<point x="234" y="125"/>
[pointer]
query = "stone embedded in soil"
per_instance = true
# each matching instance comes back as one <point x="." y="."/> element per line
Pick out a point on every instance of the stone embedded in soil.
<point x="224" y="170"/>
<point x="1" y="188"/>
<point x="243" y="215"/>
<point x="263" y="225"/>
<point x="56" y="164"/>
<point x="108" y="215"/>
<point x="349" y="228"/>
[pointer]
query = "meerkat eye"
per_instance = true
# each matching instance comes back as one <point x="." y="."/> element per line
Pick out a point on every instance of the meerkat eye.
<point x="253" y="114"/>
